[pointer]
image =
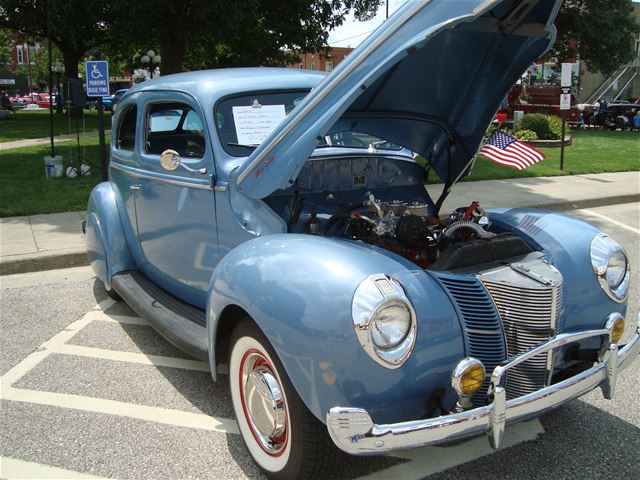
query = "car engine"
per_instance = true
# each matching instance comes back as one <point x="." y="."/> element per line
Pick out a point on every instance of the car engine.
<point x="461" y="239"/>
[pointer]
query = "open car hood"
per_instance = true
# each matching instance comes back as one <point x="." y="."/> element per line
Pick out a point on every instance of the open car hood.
<point x="430" y="78"/>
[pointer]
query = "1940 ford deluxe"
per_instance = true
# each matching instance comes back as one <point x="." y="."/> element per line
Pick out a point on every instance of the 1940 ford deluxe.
<point x="275" y="220"/>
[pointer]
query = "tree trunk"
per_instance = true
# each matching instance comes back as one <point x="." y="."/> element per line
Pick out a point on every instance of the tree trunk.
<point x="70" y="63"/>
<point x="173" y="43"/>
<point x="71" y="59"/>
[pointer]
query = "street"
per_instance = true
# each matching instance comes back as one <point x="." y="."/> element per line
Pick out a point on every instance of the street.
<point x="89" y="390"/>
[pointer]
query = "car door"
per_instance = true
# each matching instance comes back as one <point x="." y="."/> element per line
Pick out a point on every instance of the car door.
<point x="175" y="210"/>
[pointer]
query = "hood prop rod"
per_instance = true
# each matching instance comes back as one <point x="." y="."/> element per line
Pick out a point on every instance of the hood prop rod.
<point x="448" y="184"/>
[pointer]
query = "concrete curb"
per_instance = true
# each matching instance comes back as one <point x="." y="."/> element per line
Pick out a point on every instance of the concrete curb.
<point x="588" y="203"/>
<point x="40" y="262"/>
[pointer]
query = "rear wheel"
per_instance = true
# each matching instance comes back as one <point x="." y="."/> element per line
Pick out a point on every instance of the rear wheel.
<point x="285" y="440"/>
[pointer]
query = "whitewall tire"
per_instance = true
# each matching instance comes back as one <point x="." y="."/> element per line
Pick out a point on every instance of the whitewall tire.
<point x="284" y="439"/>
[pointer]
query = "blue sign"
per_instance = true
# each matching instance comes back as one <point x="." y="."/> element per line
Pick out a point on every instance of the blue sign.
<point x="97" y="78"/>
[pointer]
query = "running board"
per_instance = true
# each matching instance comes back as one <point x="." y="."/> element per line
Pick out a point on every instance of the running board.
<point x="178" y="322"/>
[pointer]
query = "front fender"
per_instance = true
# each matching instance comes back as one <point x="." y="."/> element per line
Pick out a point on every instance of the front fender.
<point x="107" y="247"/>
<point x="299" y="289"/>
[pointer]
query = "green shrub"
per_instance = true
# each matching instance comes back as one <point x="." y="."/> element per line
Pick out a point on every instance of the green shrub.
<point x="555" y="126"/>
<point x="526" y="135"/>
<point x="492" y="128"/>
<point x="538" y="123"/>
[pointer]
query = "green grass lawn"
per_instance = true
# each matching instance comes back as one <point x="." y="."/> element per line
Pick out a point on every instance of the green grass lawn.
<point x="592" y="151"/>
<point x="24" y="190"/>
<point x="35" y="124"/>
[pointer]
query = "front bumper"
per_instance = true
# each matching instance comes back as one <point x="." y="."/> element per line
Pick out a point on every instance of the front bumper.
<point x="353" y="431"/>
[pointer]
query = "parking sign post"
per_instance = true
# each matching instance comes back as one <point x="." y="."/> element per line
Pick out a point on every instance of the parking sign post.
<point x="565" y="104"/>
<point x="97" y="81"/>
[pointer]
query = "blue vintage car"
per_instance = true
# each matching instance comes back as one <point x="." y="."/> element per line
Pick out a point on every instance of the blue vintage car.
<point x="275" y="220"/>
<point x="109" y="102"/>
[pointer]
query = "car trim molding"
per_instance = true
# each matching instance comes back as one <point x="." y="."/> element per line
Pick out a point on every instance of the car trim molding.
<point x="185" y="182"/>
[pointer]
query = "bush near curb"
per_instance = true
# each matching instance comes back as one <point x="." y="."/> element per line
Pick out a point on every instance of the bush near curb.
<point x="555" y="125"/>
<point x="546" y="127"/>
<point x="538" y="123"/>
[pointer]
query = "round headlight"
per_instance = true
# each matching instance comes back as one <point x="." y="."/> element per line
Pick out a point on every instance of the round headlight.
<point x="616" y="269"/>
<point x="610" y="264"/>
<point x="390" y="325"/>
<point x="384" y="320"/>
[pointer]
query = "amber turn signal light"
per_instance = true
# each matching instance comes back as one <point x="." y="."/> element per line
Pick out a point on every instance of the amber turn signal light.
<point x="617" y="330"/>
<point x="468" y="376"/>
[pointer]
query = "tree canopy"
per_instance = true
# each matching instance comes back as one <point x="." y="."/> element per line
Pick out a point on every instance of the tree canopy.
<point x="196" y="34"/>
<point x="77" y="26"/>
<point x="598" y="32"/>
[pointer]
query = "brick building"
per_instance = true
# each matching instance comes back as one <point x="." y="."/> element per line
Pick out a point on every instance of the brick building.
<point x="21" y="54"/>
<point x="323" y="60"/>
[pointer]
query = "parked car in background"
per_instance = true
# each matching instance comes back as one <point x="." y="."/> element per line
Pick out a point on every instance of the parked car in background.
<point x="38" y="98"/>
<point x="18" y="103"/>
<point x="117" y="96"/>
<point x="275" y="221"/>
<point x="109" y="101"/>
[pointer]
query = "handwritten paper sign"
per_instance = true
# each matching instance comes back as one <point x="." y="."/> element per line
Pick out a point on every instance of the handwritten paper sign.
<point x="255" y="123"/>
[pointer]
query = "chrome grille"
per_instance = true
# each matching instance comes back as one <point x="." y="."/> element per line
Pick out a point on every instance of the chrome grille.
<point x="481" y="323"/>
<point x="529" y="309"/>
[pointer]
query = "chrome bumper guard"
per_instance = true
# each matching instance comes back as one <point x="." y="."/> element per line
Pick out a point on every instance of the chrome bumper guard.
<point x="353" y="431"/>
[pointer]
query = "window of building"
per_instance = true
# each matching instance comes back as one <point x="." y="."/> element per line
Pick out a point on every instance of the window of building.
<point x="313" y="65"/>
<point x="19" y="55"/>
<point x="328" y="66"/>
<point x="174" y="126"/>
<point x="127" y="129"/>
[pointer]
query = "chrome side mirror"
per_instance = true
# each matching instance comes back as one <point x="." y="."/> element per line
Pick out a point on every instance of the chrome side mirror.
<point x="170" y="160"/>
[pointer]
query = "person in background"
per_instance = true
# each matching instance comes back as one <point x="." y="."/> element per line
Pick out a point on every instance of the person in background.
<point x="5" y="102"/>
<point x="636" y="120"/>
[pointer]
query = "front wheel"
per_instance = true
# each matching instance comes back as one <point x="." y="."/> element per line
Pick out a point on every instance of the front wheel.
<point x="285" y="440"/>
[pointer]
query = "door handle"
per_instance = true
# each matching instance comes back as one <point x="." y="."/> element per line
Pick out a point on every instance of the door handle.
<point x="135" y="187"/>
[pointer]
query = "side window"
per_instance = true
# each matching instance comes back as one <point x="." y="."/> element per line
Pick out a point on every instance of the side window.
<point x="127" y="129"/>
<point x="174" y="126"/>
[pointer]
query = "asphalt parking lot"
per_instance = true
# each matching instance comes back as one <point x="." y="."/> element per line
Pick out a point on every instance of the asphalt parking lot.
<point x="89" y="390"/>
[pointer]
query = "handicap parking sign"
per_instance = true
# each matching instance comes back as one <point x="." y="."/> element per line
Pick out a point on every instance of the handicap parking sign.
<point x="97" y="78"/>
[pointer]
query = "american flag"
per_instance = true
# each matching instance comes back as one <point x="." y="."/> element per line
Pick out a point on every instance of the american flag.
<point x="506" y="150"/>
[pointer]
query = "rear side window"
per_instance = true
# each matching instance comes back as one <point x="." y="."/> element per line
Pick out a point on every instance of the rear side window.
<point x="127" y="129"/>
<point x="174" y="126"/>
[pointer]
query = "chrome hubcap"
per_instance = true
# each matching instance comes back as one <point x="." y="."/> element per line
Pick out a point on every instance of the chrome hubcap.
<point x="263" y="403"/>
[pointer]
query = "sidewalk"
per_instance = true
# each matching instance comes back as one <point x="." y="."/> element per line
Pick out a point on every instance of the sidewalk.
<point x="33" y="142"/>
<point x="45" y="242"/>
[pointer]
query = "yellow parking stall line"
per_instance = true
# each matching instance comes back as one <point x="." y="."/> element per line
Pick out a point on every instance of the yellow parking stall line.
<point x="122" y="319"/>
<point x="161" y="415"/>
<point x="132" y="357"/>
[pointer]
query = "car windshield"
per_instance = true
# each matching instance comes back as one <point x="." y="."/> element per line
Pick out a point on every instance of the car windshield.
<point x="351" y="139"/>
<point x="244" y="121"/>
